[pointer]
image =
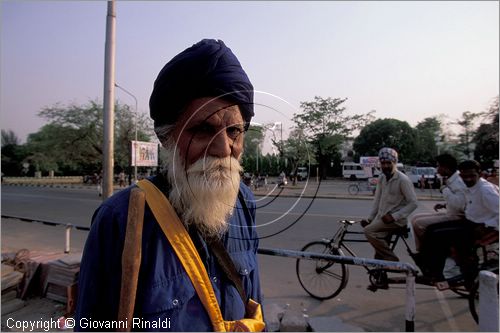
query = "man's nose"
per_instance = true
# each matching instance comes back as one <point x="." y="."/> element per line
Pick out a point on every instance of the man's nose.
<point x="221" y="145"/>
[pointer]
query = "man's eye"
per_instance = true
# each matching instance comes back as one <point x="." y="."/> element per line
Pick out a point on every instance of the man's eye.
<point x="234" y="131"/>
<point x="202" y="129"/>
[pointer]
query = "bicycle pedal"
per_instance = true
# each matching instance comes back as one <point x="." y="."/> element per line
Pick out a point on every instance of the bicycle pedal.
<point x="442" y="285"/>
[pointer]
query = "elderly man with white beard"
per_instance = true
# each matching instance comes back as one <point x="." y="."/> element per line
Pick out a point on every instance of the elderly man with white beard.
<point x="197" y="268"/>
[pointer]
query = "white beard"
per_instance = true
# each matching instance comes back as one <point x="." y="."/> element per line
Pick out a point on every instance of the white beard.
<point x="205" y="194"/>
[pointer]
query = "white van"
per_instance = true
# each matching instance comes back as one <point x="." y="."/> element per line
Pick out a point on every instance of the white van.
<point x="302" y="173"/>
<point x="353" y="171"/>
<point x="415" y="174"/>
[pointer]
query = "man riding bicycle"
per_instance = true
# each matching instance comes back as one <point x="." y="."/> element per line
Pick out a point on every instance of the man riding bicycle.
<point x="395" y="200"/>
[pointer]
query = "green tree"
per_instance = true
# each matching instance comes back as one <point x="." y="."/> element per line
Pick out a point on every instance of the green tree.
<point x="465" y="137"/>
<point x="252" y="145"/>
<point x="486" y="138"/>
<point x="297" y="151"/>
<point x="387" y="132"/>
<point x="428" y="132"/>
<point x="53" y="148"/>
<point x="71" y="142"/>
<point x="9" y="138"/>
<point x="13" y="154"/>
<point x="325" y="124"/>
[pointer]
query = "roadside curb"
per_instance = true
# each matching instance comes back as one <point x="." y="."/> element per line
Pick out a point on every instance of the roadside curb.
<point x="296" y="192"/>
<point x="74" y="186"/>
<point x="51" y="185"/>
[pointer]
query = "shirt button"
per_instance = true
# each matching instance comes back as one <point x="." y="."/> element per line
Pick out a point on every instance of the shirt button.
<point x="245" y="271"/>
<point x="214" y="279"/>
<point x="175" y="302"/>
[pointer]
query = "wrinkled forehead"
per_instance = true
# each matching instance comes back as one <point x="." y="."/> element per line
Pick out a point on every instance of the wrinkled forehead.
<point x="210" y="110"/>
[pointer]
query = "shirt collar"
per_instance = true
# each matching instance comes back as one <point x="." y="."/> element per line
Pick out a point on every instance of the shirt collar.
<point x="454" y="177"/>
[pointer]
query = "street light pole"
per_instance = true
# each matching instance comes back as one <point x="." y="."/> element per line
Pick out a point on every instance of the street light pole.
<point x="135" y="125"/>
<point x="257" y="142"/>
<point x="280" y="146"/>
<point x="257" y="158"/>
<point x="108" y="102"/>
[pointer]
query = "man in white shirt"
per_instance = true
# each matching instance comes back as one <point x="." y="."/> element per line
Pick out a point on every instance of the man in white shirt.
<point x="481" y="219"/>
<point x="482" y="197"/>
<point x="453" y="194"/>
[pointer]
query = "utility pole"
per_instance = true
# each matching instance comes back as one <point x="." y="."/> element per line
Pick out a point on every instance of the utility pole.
<point x="109" y="102"/>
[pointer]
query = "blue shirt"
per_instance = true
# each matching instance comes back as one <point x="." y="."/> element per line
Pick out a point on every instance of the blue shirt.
<point x="165" y="294"/>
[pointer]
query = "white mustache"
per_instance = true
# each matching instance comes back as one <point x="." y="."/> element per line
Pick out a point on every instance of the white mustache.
<point x="211" y="164"/>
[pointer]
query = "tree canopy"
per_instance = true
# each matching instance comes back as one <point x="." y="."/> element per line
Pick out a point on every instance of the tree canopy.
<point x="387" y="132"/>
<point x="325" y="125"/>
<point x="71" y="141"/>
<point x="486" y="138"/>
<point x="12" y="154"/>
<point x="428" y="132"/>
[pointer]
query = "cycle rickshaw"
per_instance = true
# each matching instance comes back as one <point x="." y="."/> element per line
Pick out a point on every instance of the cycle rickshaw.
<point x="323" y="279"/>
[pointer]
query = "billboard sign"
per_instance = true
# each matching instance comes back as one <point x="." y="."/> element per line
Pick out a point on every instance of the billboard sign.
<point x="369" y="161"/>
<point x="144" y="153"/>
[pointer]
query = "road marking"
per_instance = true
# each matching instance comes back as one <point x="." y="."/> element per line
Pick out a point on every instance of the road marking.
<point x="446" y="310"/>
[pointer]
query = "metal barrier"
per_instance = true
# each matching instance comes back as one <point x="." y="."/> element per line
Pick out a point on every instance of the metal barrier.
<point x="409" y="269"/>
<point x="68" y="226"/>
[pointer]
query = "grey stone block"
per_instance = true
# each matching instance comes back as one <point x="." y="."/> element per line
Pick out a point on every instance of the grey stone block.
<point x="331" y="324"/>
<point x="293" y="321"/>
<point x="273" y="313"/>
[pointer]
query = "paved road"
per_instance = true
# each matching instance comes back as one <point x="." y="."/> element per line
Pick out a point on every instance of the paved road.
<point x="281" y="225"/>
<point x="65" y="205"/>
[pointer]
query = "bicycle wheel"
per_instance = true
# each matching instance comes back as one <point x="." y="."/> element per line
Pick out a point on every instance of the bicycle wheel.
<point x="322" y="279"/>
<point x="353" y="189"/>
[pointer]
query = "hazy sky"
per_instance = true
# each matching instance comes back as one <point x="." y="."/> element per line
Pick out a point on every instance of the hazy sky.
<point x="406" y="60"/>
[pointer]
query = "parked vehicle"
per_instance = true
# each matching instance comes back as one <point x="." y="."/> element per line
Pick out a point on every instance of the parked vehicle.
<point x="425" y="175"/>
<point x="302" y="173"/>
<point x="367" y="169"/>
<point x="354" y="171"/>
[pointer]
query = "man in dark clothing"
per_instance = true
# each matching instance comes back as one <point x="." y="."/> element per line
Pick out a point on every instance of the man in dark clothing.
<point x="201" y="104"/>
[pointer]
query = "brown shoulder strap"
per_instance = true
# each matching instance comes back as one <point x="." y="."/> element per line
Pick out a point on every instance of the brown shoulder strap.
<point x="131" y="257"/>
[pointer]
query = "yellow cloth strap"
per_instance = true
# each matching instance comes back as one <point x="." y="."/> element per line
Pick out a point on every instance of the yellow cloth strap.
<point x="191" y="261"/>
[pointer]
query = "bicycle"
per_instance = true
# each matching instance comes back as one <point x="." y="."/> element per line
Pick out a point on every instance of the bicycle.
<point x="323" y="279"/>
<point x="354" y="189"/>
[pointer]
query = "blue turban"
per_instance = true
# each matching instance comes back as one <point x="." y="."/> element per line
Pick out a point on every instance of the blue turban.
<point x="206" y="69"/>
<point x="388" y="154"/>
